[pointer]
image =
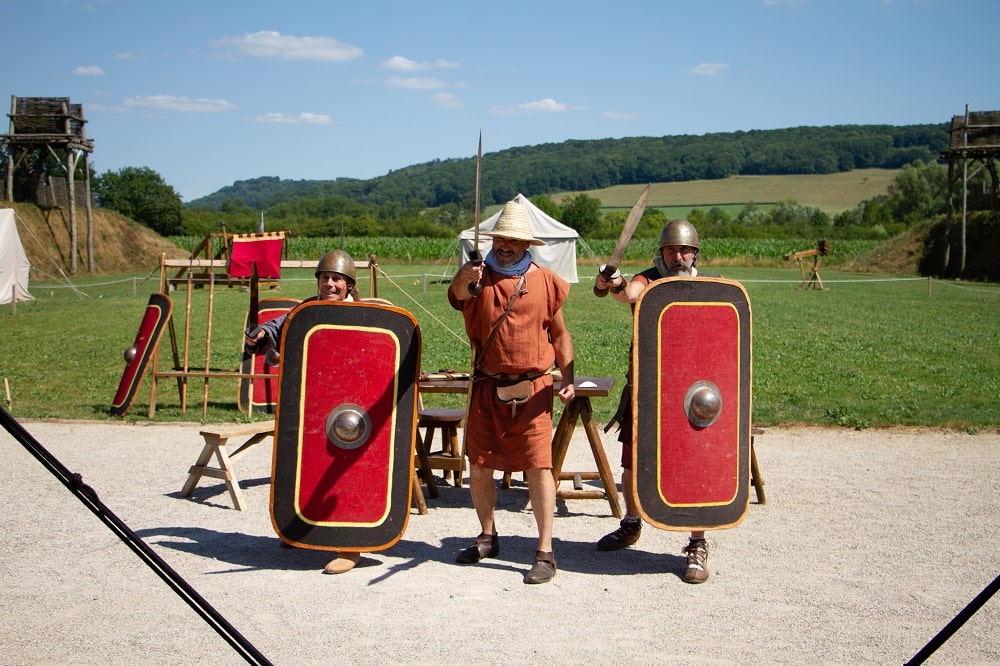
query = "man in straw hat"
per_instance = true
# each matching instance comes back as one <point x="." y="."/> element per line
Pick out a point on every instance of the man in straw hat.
<point x="516" y="328"/>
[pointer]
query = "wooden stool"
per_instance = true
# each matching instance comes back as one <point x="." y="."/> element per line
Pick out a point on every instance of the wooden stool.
<point x="756" y="480"/>
<point x="449" y="457"/>
<point x="216" y="439"/>
<point x="417" y="494"/>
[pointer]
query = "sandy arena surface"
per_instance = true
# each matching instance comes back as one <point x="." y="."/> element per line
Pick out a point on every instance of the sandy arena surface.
<point x="869" y="544"/>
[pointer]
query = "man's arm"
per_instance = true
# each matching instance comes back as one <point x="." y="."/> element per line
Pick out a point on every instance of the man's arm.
<point x="562" y="343"/>
<point x="622" y="290"/>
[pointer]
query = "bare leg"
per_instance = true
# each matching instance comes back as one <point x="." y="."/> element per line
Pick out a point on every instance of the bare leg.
<point x="542" y="493"/>
<point x="628" y="480"/>
<point x="484" y="495"/>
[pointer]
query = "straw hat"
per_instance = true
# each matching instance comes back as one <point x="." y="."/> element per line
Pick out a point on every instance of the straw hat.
<point x="514" y="222"/>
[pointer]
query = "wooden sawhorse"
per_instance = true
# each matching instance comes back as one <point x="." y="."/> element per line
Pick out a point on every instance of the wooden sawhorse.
<point x="579" y="409"/>
<point x="216" y="439"/>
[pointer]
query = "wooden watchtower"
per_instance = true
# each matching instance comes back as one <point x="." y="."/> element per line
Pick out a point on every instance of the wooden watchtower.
<point x="974" y="142"/>
<point x="53" y="126"/>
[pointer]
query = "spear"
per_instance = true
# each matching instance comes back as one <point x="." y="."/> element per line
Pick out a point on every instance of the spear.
<point x="475" y="257"/>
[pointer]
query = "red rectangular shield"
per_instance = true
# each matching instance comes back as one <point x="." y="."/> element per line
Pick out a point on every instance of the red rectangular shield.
<point x="691" y="403"/>
<point x="345" y="426"/>
<point x="154" y="319"/>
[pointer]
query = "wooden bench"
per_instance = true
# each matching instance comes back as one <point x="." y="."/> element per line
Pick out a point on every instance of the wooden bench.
<point x="216" y="439"/>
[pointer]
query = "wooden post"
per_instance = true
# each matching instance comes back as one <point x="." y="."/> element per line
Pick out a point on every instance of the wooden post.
<point x="71" y="202"/>
<point x="90" y="214"/>
<point x="187" y="341"/>
<point x="208" y="342"/>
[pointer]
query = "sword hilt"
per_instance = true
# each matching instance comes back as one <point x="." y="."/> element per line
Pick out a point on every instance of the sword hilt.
<point x="474" y="287"/>
<point x="608" y="272"/>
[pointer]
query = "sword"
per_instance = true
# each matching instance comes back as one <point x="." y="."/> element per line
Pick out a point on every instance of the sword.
<point x="271" y="357"/>
<point x="619" y="252"/>
<point x="252" y="327"/>
<point x="475" y="258"/>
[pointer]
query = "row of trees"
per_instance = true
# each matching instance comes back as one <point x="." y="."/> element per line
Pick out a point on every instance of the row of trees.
<point x="918" y="193"/>
<point x="589" y="165"/>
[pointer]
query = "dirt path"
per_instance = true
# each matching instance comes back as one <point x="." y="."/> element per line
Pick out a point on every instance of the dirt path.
<point x="869" y="544"/>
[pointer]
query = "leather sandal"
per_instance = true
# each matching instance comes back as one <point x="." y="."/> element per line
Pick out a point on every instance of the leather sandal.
<point x="544" y="568"/>
<point x="487" y="545"/>
<point x="343" y="563"/>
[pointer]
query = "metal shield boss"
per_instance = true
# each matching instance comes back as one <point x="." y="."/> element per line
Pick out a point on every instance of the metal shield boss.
<point x="345" y="426"/>
<point x="260" y="394"/>
<point x="156" y="316"/>
<point x="691" y="403"/>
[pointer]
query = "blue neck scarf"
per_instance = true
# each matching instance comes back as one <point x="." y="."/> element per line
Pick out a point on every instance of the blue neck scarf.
<point x="519" y="268"/>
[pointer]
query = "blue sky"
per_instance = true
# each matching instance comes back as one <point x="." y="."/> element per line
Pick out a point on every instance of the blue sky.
<point x="208" y="92"/>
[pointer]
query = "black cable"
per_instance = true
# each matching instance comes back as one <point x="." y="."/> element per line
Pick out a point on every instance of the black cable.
<point x="89" y="497"/>
<point x="955" y="623"/>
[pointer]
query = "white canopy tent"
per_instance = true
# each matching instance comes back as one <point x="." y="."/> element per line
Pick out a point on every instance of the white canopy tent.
<point x="558" y="254"/>
<point x="14" y="266"/>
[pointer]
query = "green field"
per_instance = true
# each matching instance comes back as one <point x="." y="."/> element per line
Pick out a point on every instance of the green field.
<point x="831" y="193"/>
<point x="866" y="352"/>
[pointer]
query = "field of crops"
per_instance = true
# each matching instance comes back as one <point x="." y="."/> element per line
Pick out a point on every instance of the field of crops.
<point x="445" y="250"/>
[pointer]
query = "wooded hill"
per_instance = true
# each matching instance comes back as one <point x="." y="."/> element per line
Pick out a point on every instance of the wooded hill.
<point x="588" y="165"/>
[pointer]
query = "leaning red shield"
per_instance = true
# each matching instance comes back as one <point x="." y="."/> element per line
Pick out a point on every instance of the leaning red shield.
<point x="260" y="394"/>
<point x="345" y="426"/>
<point x="137" y="356"/>
<point x="691" y="357"/>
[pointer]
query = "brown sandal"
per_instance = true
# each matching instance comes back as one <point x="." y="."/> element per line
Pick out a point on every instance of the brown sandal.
<point x="544" y="568"/>
<point x="487" y="545"/>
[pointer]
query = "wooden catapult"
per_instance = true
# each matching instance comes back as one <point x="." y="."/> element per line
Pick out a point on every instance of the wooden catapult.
<point x="822" y="249"/>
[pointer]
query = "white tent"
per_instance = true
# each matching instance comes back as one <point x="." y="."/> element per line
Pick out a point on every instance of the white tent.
<point x="14" y="266"/>
<point x="558" y="254"/>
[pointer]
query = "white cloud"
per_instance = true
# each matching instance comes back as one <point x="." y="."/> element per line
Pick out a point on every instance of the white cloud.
<point x="620" y="115"/>
<point x="711" y="69"/>
<point x="124" y="55"/>
<point x="547" y="105"/>
<point x="272" y="44"/>
<point x="88" y="70"/>
<point x="301" y="119"/>
<point x="414" y="83"/>
<point x="447" y="100"/>
<point x="403" y="64"/>
<point x="173" y="103"/>
<point x="116" y="108"/>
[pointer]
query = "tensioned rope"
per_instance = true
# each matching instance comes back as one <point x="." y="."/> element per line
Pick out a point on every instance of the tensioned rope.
<point x="426" y="311"/>
<point x="88" y="496"/>
<point x="37" y="240"/>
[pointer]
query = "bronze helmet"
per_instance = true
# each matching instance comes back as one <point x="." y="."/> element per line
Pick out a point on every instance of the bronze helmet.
<point x="679" y="232"/>
<point x="337" y="261"/>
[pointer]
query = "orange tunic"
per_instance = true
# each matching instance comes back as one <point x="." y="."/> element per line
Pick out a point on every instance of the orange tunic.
<point x="495" y="439"/>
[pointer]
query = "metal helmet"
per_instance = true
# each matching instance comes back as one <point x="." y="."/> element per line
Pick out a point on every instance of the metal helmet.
<point x="679" y="232"/>
<point x="337" y="261"/>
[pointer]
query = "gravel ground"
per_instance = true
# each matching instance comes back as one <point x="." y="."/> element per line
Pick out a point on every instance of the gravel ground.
<point x="869" y="544"/>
